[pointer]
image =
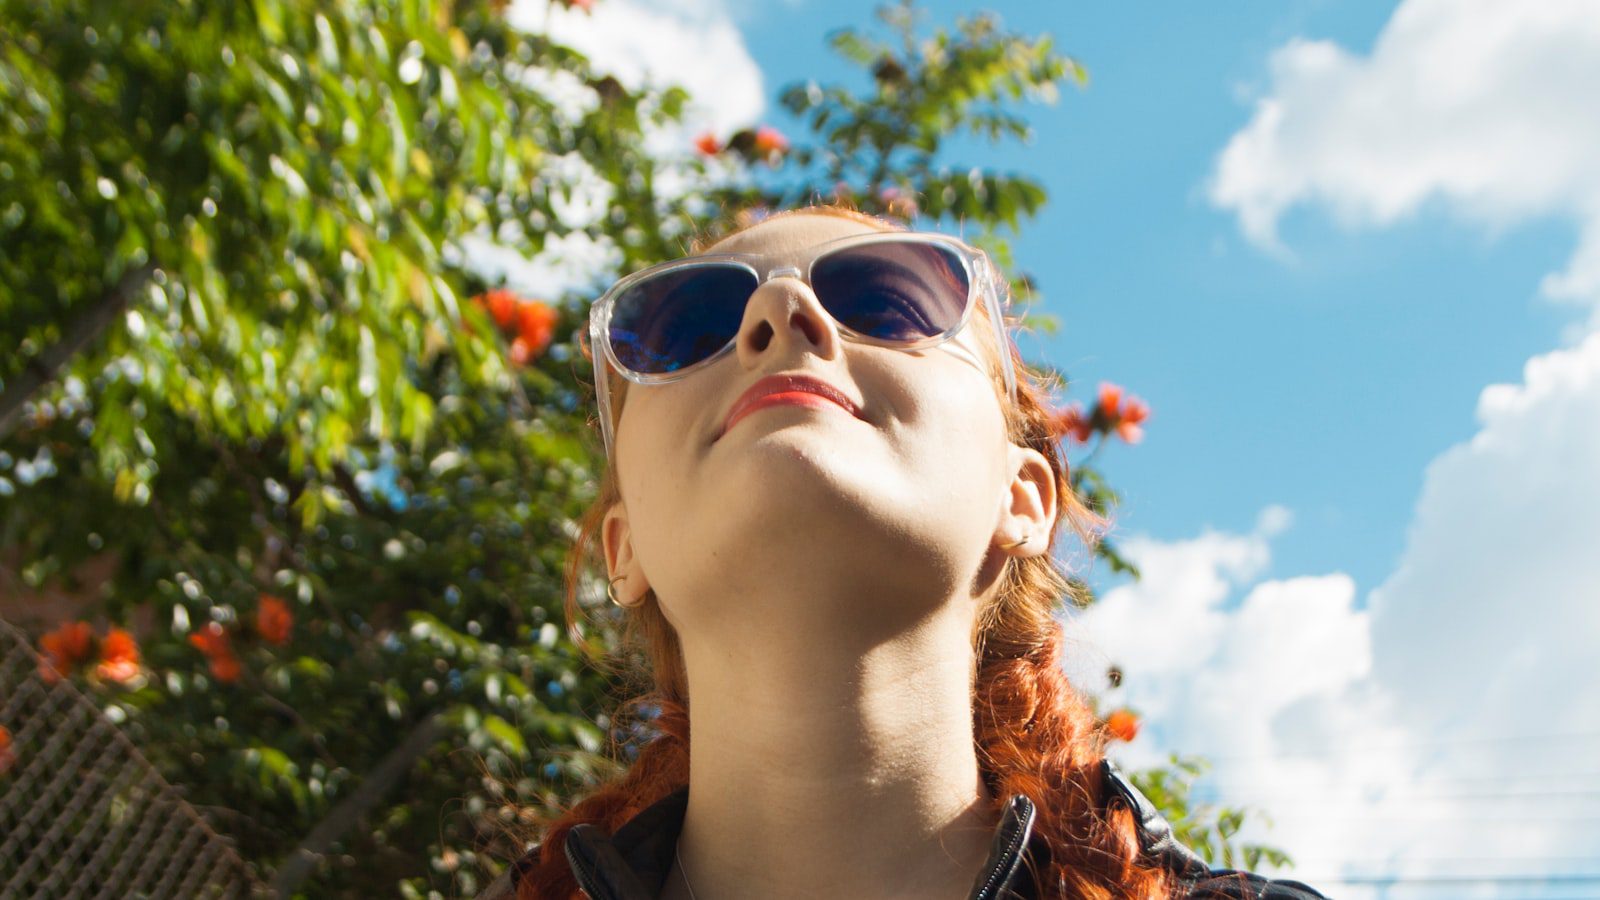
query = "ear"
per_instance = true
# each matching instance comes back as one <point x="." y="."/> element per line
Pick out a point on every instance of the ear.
<point x="1028" y="509"/>
<point x="621" y="563"/>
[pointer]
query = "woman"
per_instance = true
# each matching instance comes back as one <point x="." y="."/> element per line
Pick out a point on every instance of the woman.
<point x="829" y="512"/>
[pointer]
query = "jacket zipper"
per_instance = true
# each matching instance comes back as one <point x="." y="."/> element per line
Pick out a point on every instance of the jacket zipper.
<point x="1004" y="864"/>
<point x="586" y="883"/>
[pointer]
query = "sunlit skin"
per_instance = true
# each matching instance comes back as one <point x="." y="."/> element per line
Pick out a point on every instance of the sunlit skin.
<point x="823" y="573"/>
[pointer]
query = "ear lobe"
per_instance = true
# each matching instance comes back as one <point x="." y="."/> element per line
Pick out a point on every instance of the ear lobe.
<point x="622" y="565"/>
<point x="1029" y="507"/>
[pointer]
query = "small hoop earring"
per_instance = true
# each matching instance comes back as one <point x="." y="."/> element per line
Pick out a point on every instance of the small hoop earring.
<point x="612" y="596"/>
<point x="1016" y="543"/>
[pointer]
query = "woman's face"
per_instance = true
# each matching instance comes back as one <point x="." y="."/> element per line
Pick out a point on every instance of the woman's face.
<point x="813" y="510"/>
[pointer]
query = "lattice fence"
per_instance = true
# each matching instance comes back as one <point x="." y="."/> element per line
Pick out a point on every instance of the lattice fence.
<point x="82" y="812"/>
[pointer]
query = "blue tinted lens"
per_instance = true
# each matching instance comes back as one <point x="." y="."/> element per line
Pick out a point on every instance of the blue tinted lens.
<point x="901" y="291"/>
<point x="679" y="318"/>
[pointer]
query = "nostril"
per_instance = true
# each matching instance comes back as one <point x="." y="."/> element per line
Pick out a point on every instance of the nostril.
<point x="807" y="325"/>
<point x="761" y="337"/>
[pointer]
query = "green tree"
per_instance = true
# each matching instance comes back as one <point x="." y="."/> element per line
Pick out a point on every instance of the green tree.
<point x="255" y="367"/>
<point x="231" y="263"/>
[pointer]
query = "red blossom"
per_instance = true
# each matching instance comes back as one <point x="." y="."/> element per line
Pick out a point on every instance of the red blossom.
<point x="1110" y="399"/>
<point x="1121" y="413"/>
<point x="7" y="757"/>
<point x="1071" y="421"/>
<point x="62" y="649"/>
<point x="502" y="305"/>
<point x="119" y="657"/>
<point x="225" y="667"/>
<point x="536" y="325"/>
<point x="707" y="144"/>
<point x="1133" y="412"/>
<point x="1123" y="725"/>
<point x="770" y="140"/>
<point x="213" y="642"/>
<point x="274" y="620"/>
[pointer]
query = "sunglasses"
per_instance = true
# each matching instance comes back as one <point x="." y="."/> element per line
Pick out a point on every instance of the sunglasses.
<point x="902" y="290"/>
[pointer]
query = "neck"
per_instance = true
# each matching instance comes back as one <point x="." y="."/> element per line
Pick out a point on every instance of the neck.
<point x="840" y="766"/>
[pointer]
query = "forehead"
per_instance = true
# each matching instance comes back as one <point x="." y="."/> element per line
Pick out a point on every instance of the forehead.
<point x="792" y="238"/>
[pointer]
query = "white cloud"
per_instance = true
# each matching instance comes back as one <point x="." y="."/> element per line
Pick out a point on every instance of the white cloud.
<point x="1501" y="577"/>
<point x="569" y="263"/>
<point x="1455" y="714"/>
<point x="1247" y="682"/>
<point x="694" y="44"/>
<point x="1483" y="105"/>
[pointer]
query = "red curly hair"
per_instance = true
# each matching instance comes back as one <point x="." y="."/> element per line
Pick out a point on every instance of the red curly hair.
<point x="1034" y="734"/>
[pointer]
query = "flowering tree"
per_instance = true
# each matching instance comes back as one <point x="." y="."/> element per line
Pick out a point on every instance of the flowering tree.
<point x="334" y="470"/>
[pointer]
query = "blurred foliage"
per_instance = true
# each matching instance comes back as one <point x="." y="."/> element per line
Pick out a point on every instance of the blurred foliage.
<point x="1211" y="831"/>
<point x="235" y="263"/>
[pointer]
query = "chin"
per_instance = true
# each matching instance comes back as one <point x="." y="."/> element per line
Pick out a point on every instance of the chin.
<point x="812" y="461"/>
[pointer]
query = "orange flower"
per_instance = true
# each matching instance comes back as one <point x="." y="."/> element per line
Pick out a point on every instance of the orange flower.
<point x="274" y="620"/>
<point x="7" y="757"/>
<point x="225" y="667"/>
<point x="119" y="657"/>
<point x="1110" y="399"/>
<point x="708" y="144"/>
<point x="1123" y="725"/>
<point x="63" y="649"/>
<point x="770" y="140"/>
<point x="1072" y="422"/>
<point x="1120" y="414"/>
<point x="1133" y="413"/>
<point x="213" y="642"/>
<point x="211" y="639"/>
<point x="501" y="304"/>
<point x="536" y="325"/>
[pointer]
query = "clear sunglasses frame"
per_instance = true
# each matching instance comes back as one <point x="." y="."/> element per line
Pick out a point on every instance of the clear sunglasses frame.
<point x="982" y="281"/>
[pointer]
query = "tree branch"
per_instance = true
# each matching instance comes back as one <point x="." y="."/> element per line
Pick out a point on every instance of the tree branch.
<point x="303" y="861"/>
<point x="41" y="370"/>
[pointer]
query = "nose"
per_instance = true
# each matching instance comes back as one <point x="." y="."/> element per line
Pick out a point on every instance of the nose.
<point x="785" y="317"/>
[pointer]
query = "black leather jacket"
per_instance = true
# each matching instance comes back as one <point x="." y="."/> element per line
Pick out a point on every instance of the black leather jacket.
<point x="634" y="863"/>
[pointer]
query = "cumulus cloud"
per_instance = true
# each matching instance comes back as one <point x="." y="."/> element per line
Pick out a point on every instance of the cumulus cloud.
<point x="1449" y="723"/>
<point x="1492" y="620"/>
<point x="1446" y="723"/>
<point x="1260" y="677"/>
<point x="1484" y="106"/>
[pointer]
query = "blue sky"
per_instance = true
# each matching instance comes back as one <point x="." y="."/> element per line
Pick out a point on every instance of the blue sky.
<point x="1350" y="255"/>
<point x="1324" y="386"/>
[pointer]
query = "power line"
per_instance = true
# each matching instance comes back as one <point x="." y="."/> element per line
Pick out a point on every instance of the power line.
<point x="1514" y="776"/>
<point x="1311" y="797"/>
<point x="1441" y="815"/>
<point x="1348" y="749"/>
<point x="1440" y="880"/>
<point x="1371" y="861"/>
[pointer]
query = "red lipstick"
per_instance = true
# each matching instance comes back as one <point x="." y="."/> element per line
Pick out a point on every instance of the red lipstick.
<point x="780" y="389"/>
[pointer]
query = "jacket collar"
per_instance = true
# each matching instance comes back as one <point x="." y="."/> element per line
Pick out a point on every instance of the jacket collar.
<point x="634" y="863"/>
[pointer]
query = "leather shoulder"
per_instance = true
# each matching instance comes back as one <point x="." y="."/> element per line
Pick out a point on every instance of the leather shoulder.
<point x="1201" y="882"/>
<point x="1227" y="884"/>
<point x="1156" y="839"/>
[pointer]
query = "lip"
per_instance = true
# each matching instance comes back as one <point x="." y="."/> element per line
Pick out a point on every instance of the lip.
<point x="779" y="384"/>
